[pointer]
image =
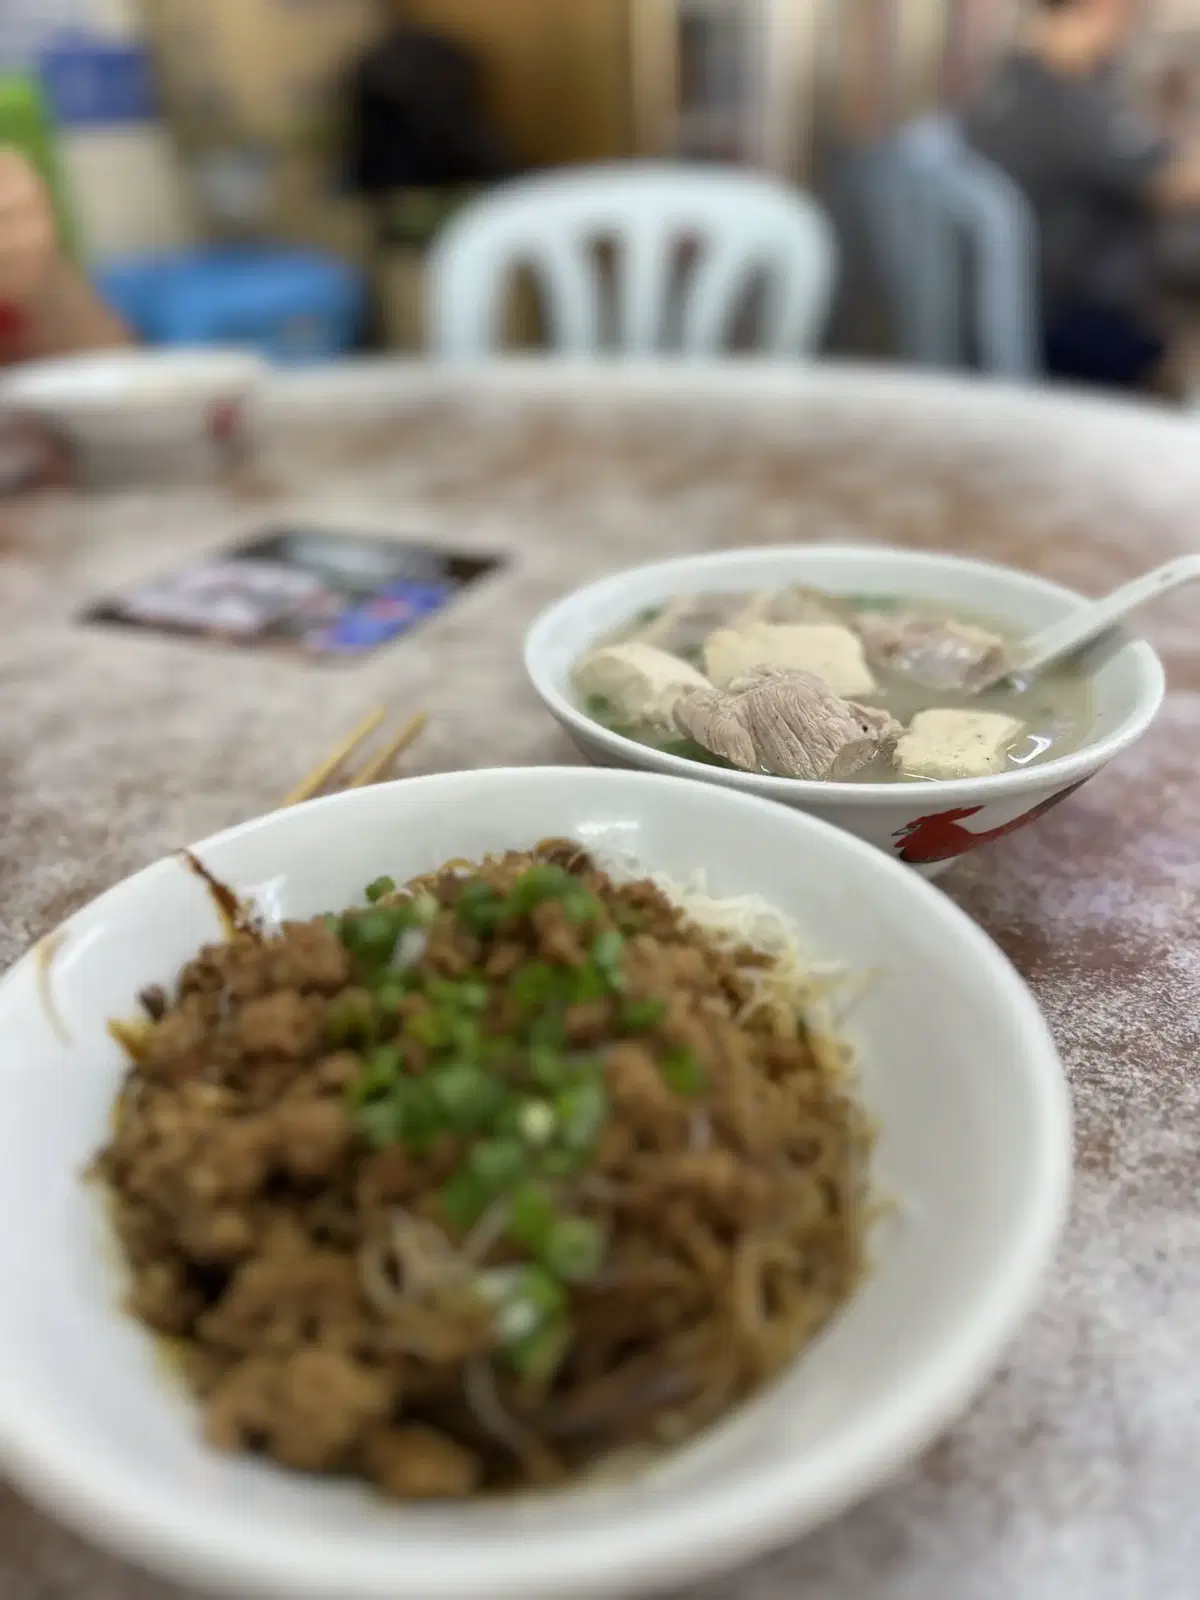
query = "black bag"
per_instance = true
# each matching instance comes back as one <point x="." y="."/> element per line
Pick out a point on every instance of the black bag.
<point x="417" y="118"/>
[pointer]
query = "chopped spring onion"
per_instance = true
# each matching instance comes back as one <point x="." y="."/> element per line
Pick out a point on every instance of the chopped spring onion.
<point x="479" y="908"/>
<point x="581" y="1111"/>
<point x="473" y="995"/>
<point x="549" y="1066"/>
<point x="419" y="1116"/>
<point x="536" y="1122"/>
<point x="389" y="997"/>
<point x="499" y="1049"/>
<point x="640" y="1015"/>
<point x="684" y="1072"/>
<point x="497" y="1164"/>
<point x="458" y="994"/>
<point x="464" y="1199"/>
<point x="531" y="1107"/>
<point x="538" y="1357"/>
<point x="373" y="935"/>
<point x="350" y="1018"/>
<point x="381" y="1068"/>
<point x="607" y="950"/>
<point x="540" y="1289"/>
<point x="516" y="1320"/>
<point x="531" y="1215"/>
<point x="588" y="983"/>
<point x="532" y="985"/>
<point x="562" y="1163"/>
<point x="466" y="1038"/>
<point x="550" y="1028"/>
<point x="469" y="1096"/>
<point x="580" y="906"/>
<point x="574" y="1249"/>
<point x="537" y="885"/>
<point x="377" y="1122"/>
<point x="429" y="1028"/>
<point x="527" y="1300"/>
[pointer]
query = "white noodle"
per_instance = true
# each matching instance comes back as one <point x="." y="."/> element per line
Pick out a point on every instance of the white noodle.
<point x="486" y="1232"/>
<point x="479" y="1390"/>
<point x="793" y="987"/>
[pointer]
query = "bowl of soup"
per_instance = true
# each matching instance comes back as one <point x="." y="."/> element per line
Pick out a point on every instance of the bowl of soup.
<point x="843" y="681"/>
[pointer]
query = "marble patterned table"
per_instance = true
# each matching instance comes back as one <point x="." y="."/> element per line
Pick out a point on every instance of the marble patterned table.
<point x="1076" y="1476"/>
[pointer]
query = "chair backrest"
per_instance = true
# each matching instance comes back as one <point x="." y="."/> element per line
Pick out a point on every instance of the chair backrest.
<point x="959" y="247"/>
<point x="743" y="229"/>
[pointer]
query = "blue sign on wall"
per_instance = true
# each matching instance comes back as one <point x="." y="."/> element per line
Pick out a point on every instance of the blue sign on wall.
<point x="91" y="81"/>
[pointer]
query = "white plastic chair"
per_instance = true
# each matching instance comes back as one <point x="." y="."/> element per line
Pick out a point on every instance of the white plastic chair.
<point x="743" y="227"/>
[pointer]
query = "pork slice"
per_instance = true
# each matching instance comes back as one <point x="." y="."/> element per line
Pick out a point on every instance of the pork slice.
<point x="801" y="604"/>
<point x="933" y="651"/>
<point x="889" y="728"/>
<point x="683" y="624"/>
<point x="640" y="683"/>
<point x="788" y="724"/>
<point x="831" y="653"/>
<point x="796" y="604"/>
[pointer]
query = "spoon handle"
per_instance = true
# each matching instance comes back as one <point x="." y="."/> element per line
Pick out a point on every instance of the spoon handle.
<point x="1074" y="632"/>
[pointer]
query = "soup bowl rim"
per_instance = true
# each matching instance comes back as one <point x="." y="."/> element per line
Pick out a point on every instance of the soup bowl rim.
<point x="1136" y="656"/>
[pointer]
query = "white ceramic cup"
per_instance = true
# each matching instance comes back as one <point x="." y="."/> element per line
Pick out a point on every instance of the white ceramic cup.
<point x="927" y="825"/>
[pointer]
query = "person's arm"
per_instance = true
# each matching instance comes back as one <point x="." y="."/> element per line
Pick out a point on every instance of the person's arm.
<point x="1113" y="152"/>
<point x="67" y="315"/>
<point x="1176" y="186"/>
<point x="48" y="306"/>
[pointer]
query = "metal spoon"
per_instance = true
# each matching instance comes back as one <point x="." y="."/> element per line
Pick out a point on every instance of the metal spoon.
<point x="1074" y="633"/>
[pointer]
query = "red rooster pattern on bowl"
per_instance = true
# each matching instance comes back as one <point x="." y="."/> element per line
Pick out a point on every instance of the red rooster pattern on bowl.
<point x="942" y="837"/>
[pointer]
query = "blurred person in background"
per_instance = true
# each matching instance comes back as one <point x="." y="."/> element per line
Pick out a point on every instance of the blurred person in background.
<point x="47" y="308"/>
<point x="1117" y="202"/>
<point x="47" y="305"/>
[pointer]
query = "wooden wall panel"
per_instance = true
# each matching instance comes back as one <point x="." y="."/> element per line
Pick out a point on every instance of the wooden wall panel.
<point x="558" y="71"/>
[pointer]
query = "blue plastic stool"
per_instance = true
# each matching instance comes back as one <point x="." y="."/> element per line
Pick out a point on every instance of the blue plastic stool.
<point x="293" y="306"/>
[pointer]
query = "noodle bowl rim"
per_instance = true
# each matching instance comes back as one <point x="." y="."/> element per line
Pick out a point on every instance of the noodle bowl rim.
<point x="627" y="1542"/>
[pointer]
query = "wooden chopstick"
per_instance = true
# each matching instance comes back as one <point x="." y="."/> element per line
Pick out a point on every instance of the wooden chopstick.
<point x="320" y="776"/>
<point x="380" y="764"/>
<point x="373" y="770"/>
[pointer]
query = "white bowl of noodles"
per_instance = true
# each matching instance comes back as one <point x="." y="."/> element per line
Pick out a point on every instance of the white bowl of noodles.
<point x="954" y="1064"/>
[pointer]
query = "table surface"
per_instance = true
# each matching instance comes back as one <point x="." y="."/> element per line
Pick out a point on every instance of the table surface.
<point x="1075" y="1476"/>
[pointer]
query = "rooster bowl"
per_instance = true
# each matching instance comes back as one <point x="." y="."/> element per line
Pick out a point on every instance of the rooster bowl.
<point x="925" y="824"/>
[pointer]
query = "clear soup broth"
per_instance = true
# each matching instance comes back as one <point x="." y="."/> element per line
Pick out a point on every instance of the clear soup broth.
<point x="1057" y="710"/>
